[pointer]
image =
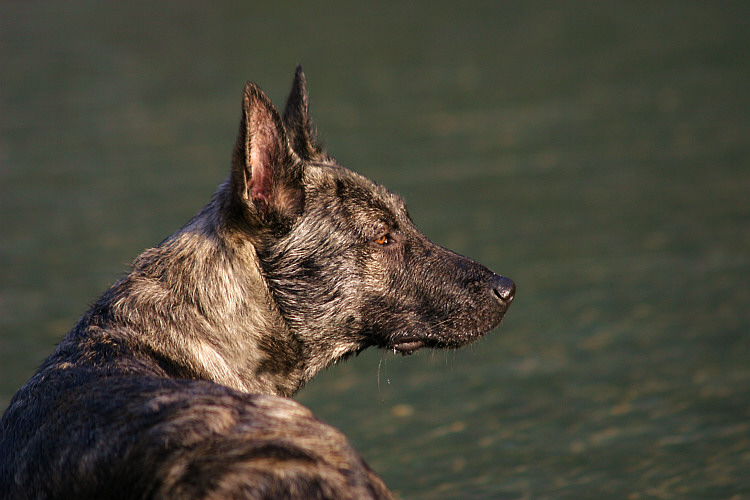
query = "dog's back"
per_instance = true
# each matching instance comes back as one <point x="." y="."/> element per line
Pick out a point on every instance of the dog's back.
<point x="172" y="385"/>
<point x="150" y="437"/>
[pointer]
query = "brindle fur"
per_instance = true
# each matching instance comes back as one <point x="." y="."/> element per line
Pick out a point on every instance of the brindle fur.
<point x="174" y="383"/>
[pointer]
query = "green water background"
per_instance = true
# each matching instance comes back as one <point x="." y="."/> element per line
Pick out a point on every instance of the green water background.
<point x="596" y="152"/>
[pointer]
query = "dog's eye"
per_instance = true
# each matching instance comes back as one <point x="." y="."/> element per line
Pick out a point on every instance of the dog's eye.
<point x="383" y="239"/>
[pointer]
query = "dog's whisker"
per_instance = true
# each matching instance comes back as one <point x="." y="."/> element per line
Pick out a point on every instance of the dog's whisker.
<point x="380" y="362"/>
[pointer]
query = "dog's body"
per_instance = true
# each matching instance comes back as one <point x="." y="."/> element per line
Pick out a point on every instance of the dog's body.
<point x="173" y="384"/>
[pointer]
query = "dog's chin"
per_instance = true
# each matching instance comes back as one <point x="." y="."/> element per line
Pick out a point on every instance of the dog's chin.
<point x="412" y="343"/>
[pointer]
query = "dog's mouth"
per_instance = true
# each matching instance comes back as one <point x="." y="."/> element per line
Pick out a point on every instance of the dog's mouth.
<point x="409" y="345"/>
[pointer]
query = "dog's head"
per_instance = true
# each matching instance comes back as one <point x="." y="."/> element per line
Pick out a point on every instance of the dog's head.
<point x="346" y="266"/>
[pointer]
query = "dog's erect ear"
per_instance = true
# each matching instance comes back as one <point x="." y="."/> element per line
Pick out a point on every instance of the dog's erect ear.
<point x="266" y="176"/>
<point x="297" y="121"/>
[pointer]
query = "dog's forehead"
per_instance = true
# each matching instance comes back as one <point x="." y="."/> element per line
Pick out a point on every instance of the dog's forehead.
<point x="351" y="187"/>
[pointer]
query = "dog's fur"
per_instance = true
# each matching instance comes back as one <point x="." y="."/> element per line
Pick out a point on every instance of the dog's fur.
<point x="173" y="384"/>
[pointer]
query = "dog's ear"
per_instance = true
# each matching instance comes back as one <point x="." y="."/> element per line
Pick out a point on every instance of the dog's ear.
<point x="297" y="120"/>
<point x="266" y="174"/>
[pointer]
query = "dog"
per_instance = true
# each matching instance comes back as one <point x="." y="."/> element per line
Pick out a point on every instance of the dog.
<point x="175" y="383"/>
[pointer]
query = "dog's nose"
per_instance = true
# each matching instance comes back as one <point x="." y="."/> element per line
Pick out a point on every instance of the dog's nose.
<point x="504" y="289"/>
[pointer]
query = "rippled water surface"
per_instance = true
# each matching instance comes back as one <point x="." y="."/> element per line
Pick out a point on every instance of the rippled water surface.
<point x="598" y="153"/>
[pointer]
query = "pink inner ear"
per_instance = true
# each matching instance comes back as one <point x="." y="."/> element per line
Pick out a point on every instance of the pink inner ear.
<point x="263" y="146"/>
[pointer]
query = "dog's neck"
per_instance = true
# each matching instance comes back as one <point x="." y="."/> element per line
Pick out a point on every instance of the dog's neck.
<point x="199" y="301"/>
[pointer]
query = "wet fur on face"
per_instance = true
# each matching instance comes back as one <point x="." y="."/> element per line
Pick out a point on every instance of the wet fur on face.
<point x="399" y="290"/>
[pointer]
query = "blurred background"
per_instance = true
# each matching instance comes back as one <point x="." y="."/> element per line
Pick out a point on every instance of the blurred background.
<point x="597" y="153"/>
